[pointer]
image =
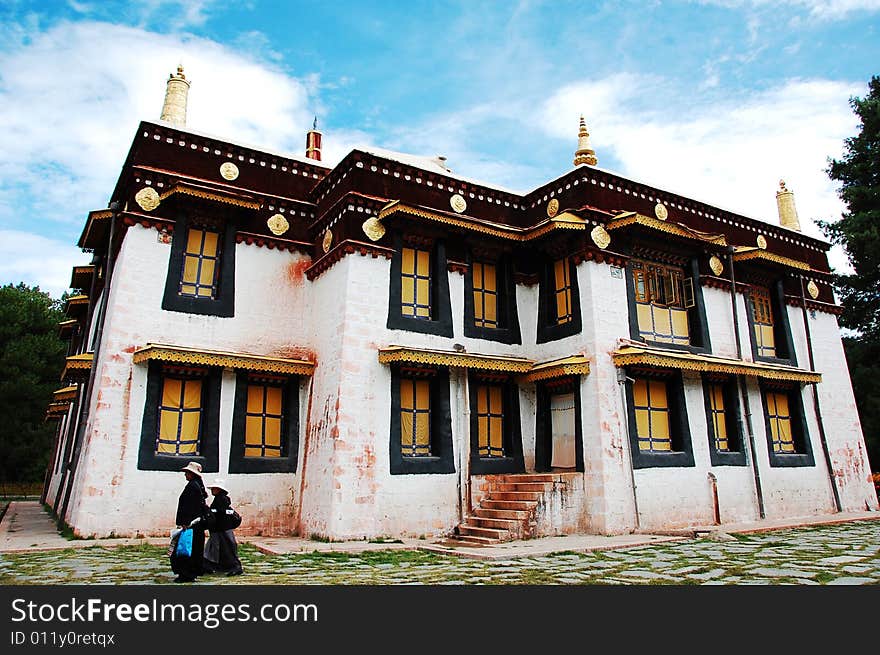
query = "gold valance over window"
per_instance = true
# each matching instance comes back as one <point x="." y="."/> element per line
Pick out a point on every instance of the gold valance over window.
<point x="77" y="367"/>
<point x="243" y="361"/>
<point x="216" y="195"/>
<point x="498" y="363"/>
<point x="66" y="328"/>
<point x="56" y="410"/>
<point x="758" y="254"/>
<point x="557" y="368"/>
<point x="633" y="355"/>
<point x="627" y="219"/>
<point x="81" y="277"/>
<point x="76" y="305"/>
<point x="65" y="395"/>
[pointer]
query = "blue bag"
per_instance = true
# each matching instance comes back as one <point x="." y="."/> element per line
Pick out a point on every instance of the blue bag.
<point x="184" y="543"/>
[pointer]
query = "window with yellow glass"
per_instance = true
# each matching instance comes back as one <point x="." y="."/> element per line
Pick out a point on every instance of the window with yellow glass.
<point x="718" y="417"/>
<point x="485" y="280"/>
<point x="562" y="290"/>
<point x="415" y="283"/>
<point x="663" y="296"/>
<point x="490" y="421"/>
<point x="263" y="421"/>
<point x="201" y="264"/>
<point x="762" y="319"/>
<point x="779" y="417"/>
<point x="651" y="405"/>
<point x="180" y="417"/>
<point x="415" y="417"/>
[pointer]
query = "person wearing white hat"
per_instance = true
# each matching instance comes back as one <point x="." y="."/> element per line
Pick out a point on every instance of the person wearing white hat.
<point x="191" y="508"/>
<point x="221" y="552"/>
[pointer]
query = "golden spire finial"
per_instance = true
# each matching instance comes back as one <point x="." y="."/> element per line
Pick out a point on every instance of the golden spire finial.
<point x="584" y="153"/>
<point x="787" y="211"/>
<point x="176" y="92"/>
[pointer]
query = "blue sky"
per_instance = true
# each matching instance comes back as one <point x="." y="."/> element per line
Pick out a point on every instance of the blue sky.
<point x="716" y="99"/>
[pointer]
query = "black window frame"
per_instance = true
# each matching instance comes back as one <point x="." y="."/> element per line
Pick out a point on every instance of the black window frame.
<point x="223" y="305"/>
<point x="290" y="422"/>
<point x="506" y="309"/>
<point x="698" y="326"/>
<point x="803" y="455"/>
<point x="682" y="455"/>
<point x="781" y="327"/>
<point x="513" y="461"/>
<point x="209" y="440"/>
<point x="441" y="309"/>
<point x="732" y="418"/>
<point x="548" y="328"/>
<point x="544" y="421"/>
<point x="441" y="425"/>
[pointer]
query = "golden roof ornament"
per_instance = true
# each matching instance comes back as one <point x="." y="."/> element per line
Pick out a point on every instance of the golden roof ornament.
<point x="327" y="242"/>
<point x="228" y="171"/>
<point x="278" y="225"/>
<point x="785" y="205"/>
<point x="176" y="92"/>
<point x="552" y="207"/>
<point x="458" y="203"/>
<point x="373" y="228"/>
<point x="761" y="241"/>
<point x="660" y="211"/>
<point x="813" y="289"/>
<point x="600" y="237"/>
<point x="584" y="153"/>
<point x="147" y="198"/>
<point x="716" y="265"/>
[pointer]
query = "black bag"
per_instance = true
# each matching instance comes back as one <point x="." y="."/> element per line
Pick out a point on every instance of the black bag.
<point x="232" y="520"/>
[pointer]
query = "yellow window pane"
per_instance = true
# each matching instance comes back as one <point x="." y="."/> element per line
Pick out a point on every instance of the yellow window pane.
<point x="250" y="451"/>
<point x="423" y="312"/>
<point x="478" y="275"/>
<point x="206" y="292"/>
<point x="491" y="315"/>
<point x="190" y="269"/>
<point x="559" y="274"/>
<point x="680" y="323"/>
<point x="273" y="431"/>
<point x="478" y="306"/>
<point x="646" y="324"/>
<point x="189" y="426"/>
<point x="782" y="405"/>
<point x="206" y="276"/>
<point x="423" y="430"/>
<point x="189" y="448"/>
<point x="168" y="422"/>
<point x="640" y="393"/>
<point x="658" y="394"/>
<point x="720" y="427"/>
<point x="562" y="305"/>
<point x="188" y="289"/>
<point x="422" y="292"/>
<point x="253" y="430"/>
<point x="482" y="400"/>
<point x="642" y="424"/>
<point x="407" y="425"/>
<point x="406" y="394"/>
<point x="659" y="425"/>
<point x="210" y="247"/>
<point x="167" y="448"/>
<point x="273" y="400"/>
<point x="718" y="397"/>
<point x="661" y="445"/>
<point x="767" y="336"/>
<point x="423" y="263"/>
<point x="407" y="290"/>
<point x="497" y="442"/>
<point x="171" y="392"/>
<point x="194" y="241"/>
<point x="423" y="394"/>
<point x="192" y="394"/>
<point x="489" y="278"/>
<point x="496" y="429"/>
<point x="662" y="321"/>
<point x="495" y="400"/>
<point x="255" y="399"/>
<point x="408" y="259"/>
<point x="482" y="430"/>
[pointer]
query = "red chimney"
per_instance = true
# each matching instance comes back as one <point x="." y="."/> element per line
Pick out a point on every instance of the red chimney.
<point x="313" y="142"/>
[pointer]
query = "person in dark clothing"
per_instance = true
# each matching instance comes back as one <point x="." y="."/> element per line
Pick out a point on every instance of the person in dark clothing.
<point x="221" y="553"/>
<point x="191" y="508"/>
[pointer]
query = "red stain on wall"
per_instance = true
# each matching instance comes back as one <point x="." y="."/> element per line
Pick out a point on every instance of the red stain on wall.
<point x="296" y="271"/>
<point x="295" y="352"/>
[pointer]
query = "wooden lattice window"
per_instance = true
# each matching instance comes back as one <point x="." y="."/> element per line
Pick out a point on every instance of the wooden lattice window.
<point x="180" y="416"/>
<point x="718" y="416"/>
<point x="562" y="290"/>
<point x="485" y="277"/>
<point x="762" y="318"/>
<point x="415" y="283"/>
<point x="201" y="264"/>
<point x="779" y="417"/>
<point x="663" y="296"/>
<point x="651" y="404"/>
<point x="415" y="417"/>
<point x="263" y="420"/>
<point x="490" y="421"/>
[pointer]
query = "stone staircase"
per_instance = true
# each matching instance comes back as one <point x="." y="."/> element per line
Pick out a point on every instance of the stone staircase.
<point x="507" y="513"/>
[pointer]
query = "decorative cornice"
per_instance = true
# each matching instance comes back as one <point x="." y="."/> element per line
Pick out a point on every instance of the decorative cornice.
<point x="65" y="394"/>
<point x="825" y="307"/>
<point x="56" y="410"/>
<point x="216" y="195"/>
<point x="722" y="283"/>
<point x="557" y="368"/>
<point x="77" y="367"/>
<point x="243" y="361"/>
<point x="80" y="276"/>
<point x="273" y="243"/>
<point x="76" y="305"/>
<point x="677" y="229"/>
<point x="66" y="328"/>
<point x="457" y="267"/>
<point x="631" y="355"/>
<point x="600" y="257"/>
<point x="751" y="254"/>
<point x="342" y="249"/>
<point x="405" y="355"/>
<point x="149" y="222"/>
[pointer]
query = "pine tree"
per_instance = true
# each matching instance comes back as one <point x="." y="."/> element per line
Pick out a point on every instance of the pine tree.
<point x="858" y="232"/>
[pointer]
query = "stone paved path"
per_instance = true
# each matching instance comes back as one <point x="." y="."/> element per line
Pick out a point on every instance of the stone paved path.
<point x="847" y="554"/>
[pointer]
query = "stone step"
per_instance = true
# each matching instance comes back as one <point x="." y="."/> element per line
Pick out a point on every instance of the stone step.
<point x="539" y="487"/>
<point x="491" y="533"/>
<point x="489" y="513"/>
<point x="483" y="522"/>
<point x="473" y="539"/>
<point x="516" y="505"/>
<point x="515" y="495"/>
<point x="530" y="477"/>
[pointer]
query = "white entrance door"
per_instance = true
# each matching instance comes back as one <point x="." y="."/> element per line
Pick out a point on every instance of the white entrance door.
<point x="562" y="427"/>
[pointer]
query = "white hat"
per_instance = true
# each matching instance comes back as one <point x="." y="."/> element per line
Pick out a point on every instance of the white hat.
<point x="219" y="483"/>
<point x="193" y="467"/>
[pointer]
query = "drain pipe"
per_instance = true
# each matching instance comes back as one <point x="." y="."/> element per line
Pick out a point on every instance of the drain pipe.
<point x="622" y="379"/>
<point x="713" y="482"/>
<point x="465" y="508"/>
<point x="744" y="393"/>
<point x="818" y="410"/>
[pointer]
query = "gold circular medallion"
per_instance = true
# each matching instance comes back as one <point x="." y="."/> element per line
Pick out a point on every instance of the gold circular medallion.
<point x="373" y="228"/>
<point x="813" y="289"/>
<point x="600" y="237"/>
<point x="147" y="198"/>
<point x="716" y="265"/>
<point x="762" y="242"/>
<point x="458" y="203"/>
<point x="328" y="240"/>
<point x="660" y="211"/>
<point x="228" y="171"/>
<point x="552" y="207"/>
<point x="278" y="224"/>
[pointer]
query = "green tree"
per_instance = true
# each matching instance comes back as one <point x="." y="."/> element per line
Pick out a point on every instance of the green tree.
<point x="858" y="232"/>
<point x="31" y="359"/>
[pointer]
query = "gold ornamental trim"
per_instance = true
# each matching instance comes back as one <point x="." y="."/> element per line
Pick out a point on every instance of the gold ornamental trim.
<point x="813" y="289"/>
<point x="564" y="221"/>
<point x="749" y="254"/>
<point x="228" y="171"/>
<point x="762" y="242"/>
<point x="65" y="328"/>
<point x="80" y="276"/>
<point x="600" y="237"/>
<point x="327" y="242"/>
<point x="76" y="304"/>
<point x="660" y="211"/>
<point x="243" y="361"/>
<point x="631" y="355"/>
<point x="205" y="194"/>
<point x="458" y="203"/>
<point x="557" y="368"/>
<point x="716" y="265"/>
<point x="65" y="394"/>
<point x="552" y="207"/>
<point x="373" y="228"/>
<point x="77" y="366"/>
<point x="147" y="198"/>
<point x="499" y="363"/>
<point x="277" y="224"/>
<point x="57" y="410"/>
<point x="627" y="219"/>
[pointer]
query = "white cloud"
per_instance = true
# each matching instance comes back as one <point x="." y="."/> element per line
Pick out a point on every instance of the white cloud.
<point x="819" y="9"/>
<point x="36" y="260"/>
